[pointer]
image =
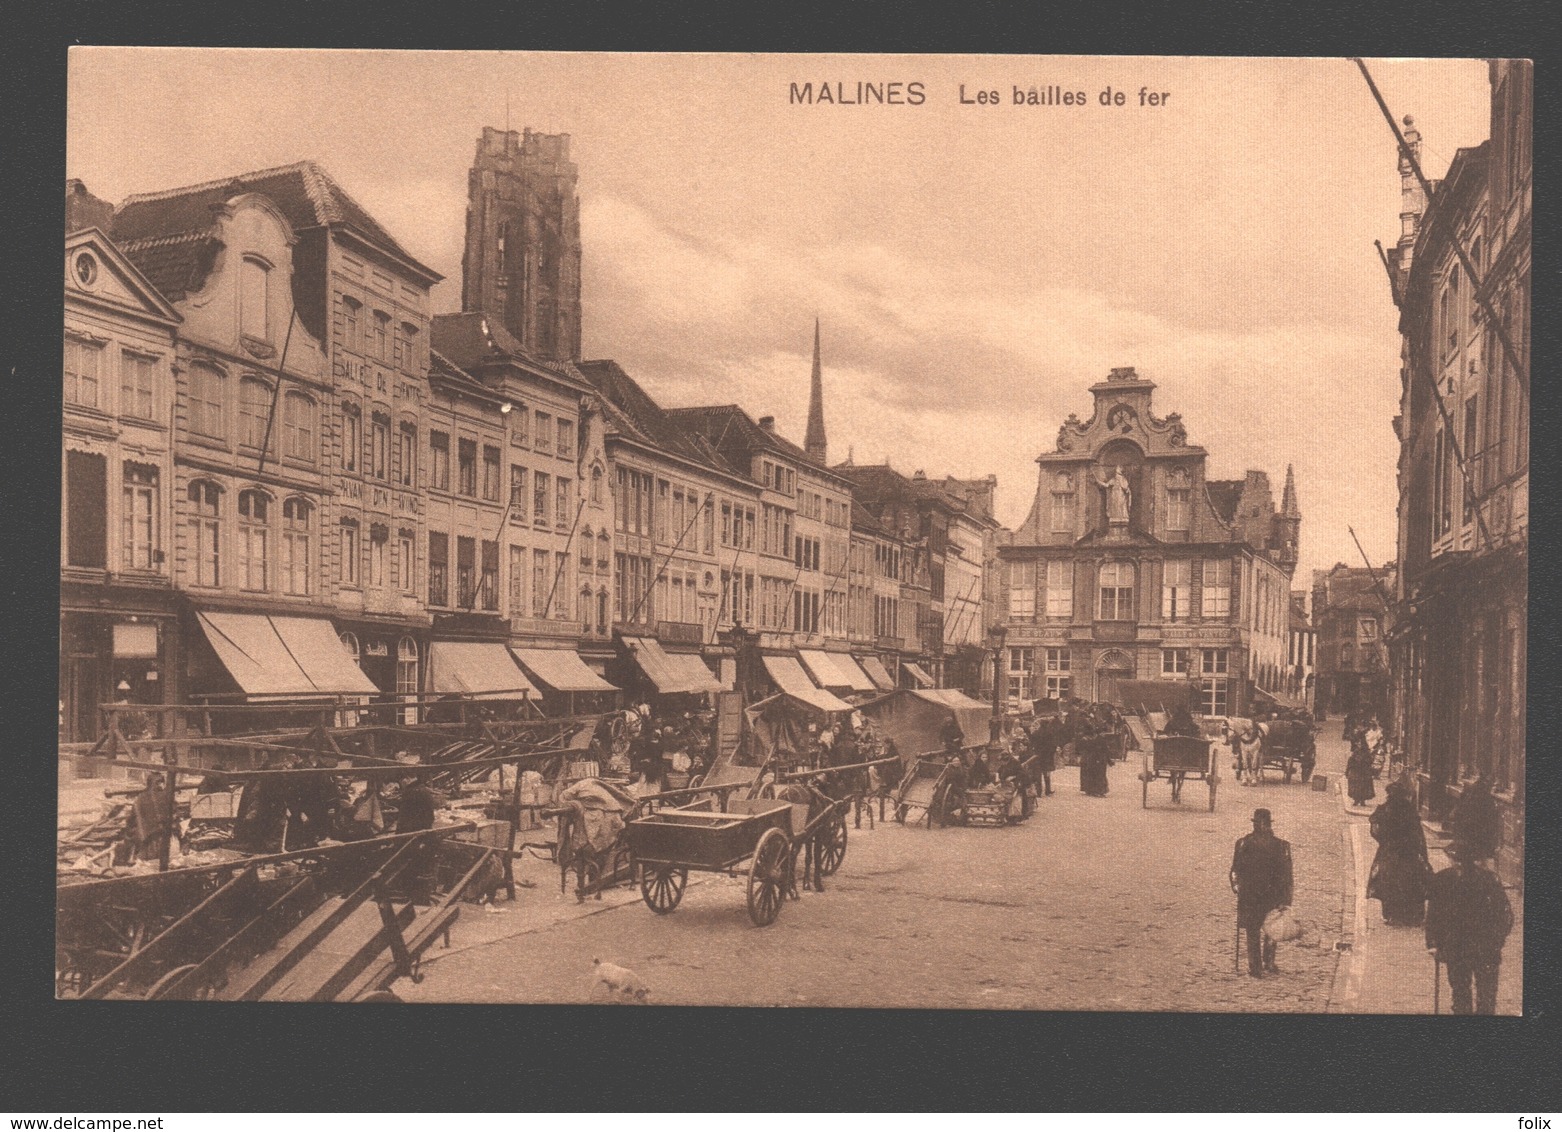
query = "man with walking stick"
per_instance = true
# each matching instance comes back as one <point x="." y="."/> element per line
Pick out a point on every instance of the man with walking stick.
<point x="1261" y="877"/>
<point x="1468" y="919"/>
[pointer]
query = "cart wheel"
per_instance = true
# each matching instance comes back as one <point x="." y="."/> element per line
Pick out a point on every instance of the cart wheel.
<point x="623" y="868"/>
<point x="767" y="877"/>
<point x="160" y="988"/>
<point x="831" y="845"/>
<point x="1212" y="796"/>
<point x="662" y="888"/>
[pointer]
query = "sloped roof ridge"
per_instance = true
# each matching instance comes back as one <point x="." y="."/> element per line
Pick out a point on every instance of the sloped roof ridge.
<point x="208" y="186"/>
<point x="144" y="242"/>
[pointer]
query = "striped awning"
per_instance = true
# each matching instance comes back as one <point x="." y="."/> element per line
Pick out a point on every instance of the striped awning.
<point x="483" y="669"/>
<point x="918" y="674"/>
<point x="670" y="672"/>
<point x="823" y="668"/>
<point x="876" y="671"/>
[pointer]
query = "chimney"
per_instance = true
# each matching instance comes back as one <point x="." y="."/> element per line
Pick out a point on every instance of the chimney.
<point x="83" y="210"/>
<point x="768" y="423"/>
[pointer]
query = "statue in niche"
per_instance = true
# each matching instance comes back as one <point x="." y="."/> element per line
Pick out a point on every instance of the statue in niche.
<point x="1119" y="496"/>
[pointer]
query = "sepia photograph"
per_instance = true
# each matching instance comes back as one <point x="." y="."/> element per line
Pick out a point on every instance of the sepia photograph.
<point x="1018" y="533"/>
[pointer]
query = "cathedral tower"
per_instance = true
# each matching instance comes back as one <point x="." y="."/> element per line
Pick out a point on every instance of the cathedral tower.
<point x="521" y="265"/>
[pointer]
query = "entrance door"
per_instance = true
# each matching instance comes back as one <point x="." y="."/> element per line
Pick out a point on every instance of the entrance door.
<point x="1114" y="668"/>
<point x="81" y="687"/>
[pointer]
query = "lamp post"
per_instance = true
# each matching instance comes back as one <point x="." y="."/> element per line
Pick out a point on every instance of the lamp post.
<point x="997" y="638"/>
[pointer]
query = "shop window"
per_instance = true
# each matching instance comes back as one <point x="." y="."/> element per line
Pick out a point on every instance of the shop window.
<point x="407" y="678"/>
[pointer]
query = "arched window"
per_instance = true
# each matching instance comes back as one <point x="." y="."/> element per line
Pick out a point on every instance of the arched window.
<point x="1117" y="591"/>
<point x="352" y="436"/>
<point x="603" y="550"/>
<point x="407" y="677"/>
<point x="586" y="543"/>
<point x="206" y="532"/>
<point x="596" y="484"/>
<point x="602" y="611"/>
<point x="254" y="540"/>
<point x="298" y="426"/>
<point x="255" y="298"/>
<point x="583" y="611"/>
<point x="296" y="515"/>
<point x="207" y="416"/>
<point x="254" y="407"/>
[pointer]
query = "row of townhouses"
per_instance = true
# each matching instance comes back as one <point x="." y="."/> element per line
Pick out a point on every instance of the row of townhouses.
<point x="285" y="476"/>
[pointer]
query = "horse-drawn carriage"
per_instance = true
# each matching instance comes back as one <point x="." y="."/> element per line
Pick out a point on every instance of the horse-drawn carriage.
<point x="1151" y="707"/>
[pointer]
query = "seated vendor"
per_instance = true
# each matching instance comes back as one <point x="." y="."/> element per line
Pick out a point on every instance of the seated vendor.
<point x="980" y="774"/>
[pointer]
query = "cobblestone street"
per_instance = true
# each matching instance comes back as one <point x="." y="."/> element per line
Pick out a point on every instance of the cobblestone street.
<point x="1094" y="904"/>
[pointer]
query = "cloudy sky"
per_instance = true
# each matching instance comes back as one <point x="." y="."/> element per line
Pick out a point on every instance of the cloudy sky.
<point x="974" y="266"/>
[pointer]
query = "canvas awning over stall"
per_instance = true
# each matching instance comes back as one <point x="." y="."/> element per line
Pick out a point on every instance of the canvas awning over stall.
<point x="283" y="656"/>
<point x="484" y="669"/>
<point x="918" y="674"/>
<point x="1280" y="700"/>
<point x="695" y="676"/>
<point x="791" y="679"/>
<point x="972" y="715"/>
<point x="562" y="670"/>
<point x="876" y="671"/>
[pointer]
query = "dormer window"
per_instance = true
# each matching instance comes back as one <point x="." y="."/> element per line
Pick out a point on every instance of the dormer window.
<point x="255" y="298"/>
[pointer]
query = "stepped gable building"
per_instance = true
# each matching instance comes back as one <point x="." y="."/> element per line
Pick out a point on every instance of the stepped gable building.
<point x="522" y="260"/>
<point x="1133" y="564"/>
<point x="1460" y="637"/>
<point x="119" y="637"/>
<point x="298" y="401"/>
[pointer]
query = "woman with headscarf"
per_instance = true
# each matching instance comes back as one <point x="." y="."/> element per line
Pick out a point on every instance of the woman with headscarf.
<point x="1358" y="772"/>
<point x="1400" y="870"/>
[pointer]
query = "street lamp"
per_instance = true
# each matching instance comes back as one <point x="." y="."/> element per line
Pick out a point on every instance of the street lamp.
<point x="997" y="638"/>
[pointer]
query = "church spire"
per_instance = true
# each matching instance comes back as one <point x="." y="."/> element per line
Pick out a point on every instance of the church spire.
<point x="1288" y="505"/>
<point x="813" y="441"/>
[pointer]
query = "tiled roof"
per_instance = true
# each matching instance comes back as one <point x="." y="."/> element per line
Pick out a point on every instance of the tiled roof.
<point x="471" y="339"/>
<point x="640" y="412"/>
<point x="303" y="192"/>
<point x="176" y="265"/>
<point x="880" y="481"/>
<point x="1223" y="497"/>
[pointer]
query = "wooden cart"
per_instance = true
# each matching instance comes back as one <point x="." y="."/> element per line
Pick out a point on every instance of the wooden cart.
<point x="767" y="833"/>
<point x="990" y="805"/>
<point x="924" y="787"/>
<point x="1177" y="758"/>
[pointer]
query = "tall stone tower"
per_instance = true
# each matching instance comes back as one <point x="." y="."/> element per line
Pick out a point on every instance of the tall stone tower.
<point x="521" y="265"/>
<point x="813" y="441"/>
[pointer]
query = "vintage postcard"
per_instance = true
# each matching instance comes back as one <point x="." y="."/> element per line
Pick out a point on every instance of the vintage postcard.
<point x="1031" y="533"/>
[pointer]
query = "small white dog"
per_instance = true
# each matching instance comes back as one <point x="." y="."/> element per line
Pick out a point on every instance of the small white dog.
<point x="620" y="982"/>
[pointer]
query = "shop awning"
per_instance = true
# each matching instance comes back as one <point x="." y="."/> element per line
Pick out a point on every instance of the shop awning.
<point x="670" y="672"/>
<point x="692" y="671"/>
<point x="823" y="668"/>
<point x="283" y="656"/>
<point x="484" y="669"/>
<point x="791" y="679"/>
<point x="918" y="674"/>
<point x="876" y="671"/>
<point x="562" y="670"/>
<point x="860" y="680"/>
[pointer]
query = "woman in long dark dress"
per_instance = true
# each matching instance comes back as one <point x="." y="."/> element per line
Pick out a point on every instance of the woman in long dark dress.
<point x="1400" y="869"/>
<point x="1093" y="755"/>
<point x="1358" y="772"/>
